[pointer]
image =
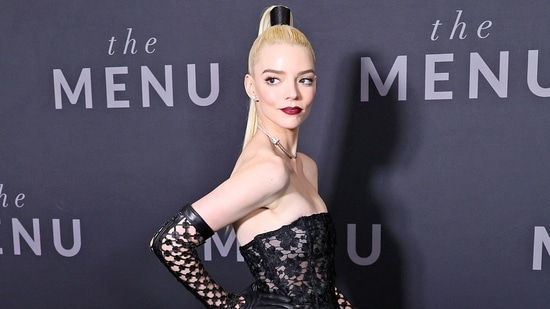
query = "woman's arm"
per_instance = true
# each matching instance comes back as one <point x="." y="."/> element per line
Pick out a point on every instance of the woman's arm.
<point x="174" y="244"/>
<point x="342" y="301"/>
<point x="252" y="185"/>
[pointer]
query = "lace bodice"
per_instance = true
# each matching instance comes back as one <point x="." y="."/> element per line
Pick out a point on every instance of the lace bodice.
<point x="296" y="260"/>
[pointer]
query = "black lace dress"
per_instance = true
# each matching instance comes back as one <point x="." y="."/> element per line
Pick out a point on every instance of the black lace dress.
<point x="296" y="260"/>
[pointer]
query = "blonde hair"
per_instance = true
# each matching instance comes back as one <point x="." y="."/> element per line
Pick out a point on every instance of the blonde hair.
<point x="268" y="35"/>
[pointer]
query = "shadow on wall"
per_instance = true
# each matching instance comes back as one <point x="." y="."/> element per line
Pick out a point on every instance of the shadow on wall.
<point x="369" y="138"/>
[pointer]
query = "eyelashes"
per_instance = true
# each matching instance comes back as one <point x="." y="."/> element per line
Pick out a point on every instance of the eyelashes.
<point x="308" y="81"/>
<point x="271" y="80"/>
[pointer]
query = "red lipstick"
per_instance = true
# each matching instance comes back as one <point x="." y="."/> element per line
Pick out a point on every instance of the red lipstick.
<point x="294" y="110"/>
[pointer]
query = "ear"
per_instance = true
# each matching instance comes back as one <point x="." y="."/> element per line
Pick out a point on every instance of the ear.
<point x="249" y="85"/>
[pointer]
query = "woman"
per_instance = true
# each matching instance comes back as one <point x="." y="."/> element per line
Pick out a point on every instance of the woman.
<point x="271" y="197"/>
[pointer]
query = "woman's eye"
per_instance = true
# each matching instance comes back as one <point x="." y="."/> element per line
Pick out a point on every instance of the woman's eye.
<point x="307" y="81"/>
<point x="271" y="80"/>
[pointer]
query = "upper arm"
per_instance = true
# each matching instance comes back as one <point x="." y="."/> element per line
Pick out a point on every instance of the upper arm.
<point x="251" y="187"/>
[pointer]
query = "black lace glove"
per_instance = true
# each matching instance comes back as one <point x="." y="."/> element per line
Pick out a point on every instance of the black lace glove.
<point x="343" y="303"/>
<point x="260" y="300"/>
<point x="174" y="244"/>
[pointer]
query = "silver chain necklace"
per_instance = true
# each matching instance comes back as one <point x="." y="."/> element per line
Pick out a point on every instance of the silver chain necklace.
<point x="276" y="142"/>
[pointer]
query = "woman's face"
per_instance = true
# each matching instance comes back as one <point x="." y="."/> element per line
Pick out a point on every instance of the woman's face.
<point x="284" y="83"/>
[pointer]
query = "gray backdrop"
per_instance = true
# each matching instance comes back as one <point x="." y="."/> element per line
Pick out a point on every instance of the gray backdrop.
<point x="430" y="129"/>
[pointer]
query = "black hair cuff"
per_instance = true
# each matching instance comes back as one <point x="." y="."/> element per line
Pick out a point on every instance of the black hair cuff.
<point x="280" y="15"/>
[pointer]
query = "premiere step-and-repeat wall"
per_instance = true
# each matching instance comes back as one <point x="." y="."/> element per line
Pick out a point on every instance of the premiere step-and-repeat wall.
<point x="431" y="130"/>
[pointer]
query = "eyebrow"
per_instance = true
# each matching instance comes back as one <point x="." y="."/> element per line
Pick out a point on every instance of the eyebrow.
<point x="282" y="72"/>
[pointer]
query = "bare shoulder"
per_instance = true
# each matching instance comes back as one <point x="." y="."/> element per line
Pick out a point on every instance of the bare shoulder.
<point x="309" y="169"/>
<point x="308" y="162"/>
<point x="257" y="180"/>
<point x="266" y="173"/>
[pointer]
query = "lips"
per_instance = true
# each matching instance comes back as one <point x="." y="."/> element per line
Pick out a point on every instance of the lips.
<point x="291" y="110"/>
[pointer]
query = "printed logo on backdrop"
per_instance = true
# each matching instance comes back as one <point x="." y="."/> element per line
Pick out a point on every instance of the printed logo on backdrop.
<point x="28" y="232"/>
<point x="74" y="90"/>
<point x="497" y="78"/>
<point x="541" y="240"/>
<point x="224" y="246"/>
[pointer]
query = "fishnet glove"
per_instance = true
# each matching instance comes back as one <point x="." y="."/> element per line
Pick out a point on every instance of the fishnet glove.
<point x="175" y="246"/>
<point x="343" y="303"/>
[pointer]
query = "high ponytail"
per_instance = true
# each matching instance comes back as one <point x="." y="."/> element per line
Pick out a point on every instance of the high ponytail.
<point x="276" y="26"/>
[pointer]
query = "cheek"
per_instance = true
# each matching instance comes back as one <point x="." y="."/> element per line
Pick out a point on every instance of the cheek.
<point x="267" y="101"/>
<point x="309" y="95"/>
<point x="268" y="95"/>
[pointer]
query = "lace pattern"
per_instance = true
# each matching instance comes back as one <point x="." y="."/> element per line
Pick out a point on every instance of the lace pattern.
<point x="297" y="260"/>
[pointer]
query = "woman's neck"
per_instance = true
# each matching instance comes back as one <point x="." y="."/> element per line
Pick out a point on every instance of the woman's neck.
<point x="286" y="141"/>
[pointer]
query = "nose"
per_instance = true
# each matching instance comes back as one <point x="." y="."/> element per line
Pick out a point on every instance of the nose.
<point x="292" y="92"/>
